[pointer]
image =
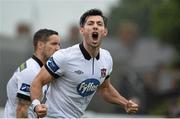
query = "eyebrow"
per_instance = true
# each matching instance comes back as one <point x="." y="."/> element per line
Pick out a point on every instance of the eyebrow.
<point x="99" y="21"/>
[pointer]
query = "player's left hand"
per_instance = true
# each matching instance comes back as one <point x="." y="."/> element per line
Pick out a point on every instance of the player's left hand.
<point x="131" y="107"/>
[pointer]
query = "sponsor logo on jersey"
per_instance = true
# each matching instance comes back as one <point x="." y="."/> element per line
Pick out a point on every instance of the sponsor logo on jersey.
<point x="52" y="65"/>
<point x="87" y="87"/>
<point x="25" y="87"/>
<point x="103" y="73"/>
<point x="79" y="72"/>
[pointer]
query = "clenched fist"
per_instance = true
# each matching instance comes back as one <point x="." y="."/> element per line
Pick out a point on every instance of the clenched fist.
<point x="131" y="107"/>
<point x="41" y="110"/>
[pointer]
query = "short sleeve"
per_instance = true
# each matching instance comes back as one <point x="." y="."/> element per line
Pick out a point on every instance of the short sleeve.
<point x="24" y="80"/>
<point x="55" y="64"/>
<point x="110" y="64"/>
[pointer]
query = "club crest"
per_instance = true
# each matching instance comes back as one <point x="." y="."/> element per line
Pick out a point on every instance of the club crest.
<point x="103" y="73"/>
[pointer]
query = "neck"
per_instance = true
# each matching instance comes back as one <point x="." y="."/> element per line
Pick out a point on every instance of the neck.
<point x="93" y="51"/>
<point x="40" y="57"/>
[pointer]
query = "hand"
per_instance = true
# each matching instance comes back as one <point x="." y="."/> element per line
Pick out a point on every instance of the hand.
<point x="41" y="110"/>
<point x="131" y="107"/>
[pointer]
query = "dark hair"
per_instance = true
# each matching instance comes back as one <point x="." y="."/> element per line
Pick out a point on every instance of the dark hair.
<point x="92" y="12"/>
<point x="43" y="35"/>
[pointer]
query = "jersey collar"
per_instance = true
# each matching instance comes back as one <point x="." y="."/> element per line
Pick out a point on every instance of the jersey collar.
<point x="85" y="53"/>
<point x="37" y="60"/>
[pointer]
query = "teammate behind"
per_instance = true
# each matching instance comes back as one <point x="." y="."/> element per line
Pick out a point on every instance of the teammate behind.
<point x="46" y="42"/>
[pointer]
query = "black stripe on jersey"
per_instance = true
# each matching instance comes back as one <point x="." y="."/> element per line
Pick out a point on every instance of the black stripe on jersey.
<point x="37" y="60"/>
<point x="25" y="97"/>
<point x="107" y="77"/>
<point x="85" y="52"/>
<point x="52" y="73"/>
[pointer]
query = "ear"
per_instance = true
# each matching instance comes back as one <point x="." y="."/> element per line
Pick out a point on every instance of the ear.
<point x="81" y="30"/>
<point x="40" y="44"/>
<point x="105" y="32"/>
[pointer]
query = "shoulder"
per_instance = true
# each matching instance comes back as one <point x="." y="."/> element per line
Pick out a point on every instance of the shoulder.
<point x="67" y="52"/>
<point x="70" y="50"/>
<point x="29" y="67"/>
<point x="32" y="65"/>
<point x="105" y="56"/>
<point x="105" y="53"/>
<point x="27" y="71"/>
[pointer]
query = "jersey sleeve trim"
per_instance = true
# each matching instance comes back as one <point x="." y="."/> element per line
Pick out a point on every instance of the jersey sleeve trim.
<point x="53" y="74"/>
<point x="107" y="77"/>
<point x="25" y="97"/>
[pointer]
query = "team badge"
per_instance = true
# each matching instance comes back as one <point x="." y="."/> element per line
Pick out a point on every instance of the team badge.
<point x="103" y="73"/>
<point x="52" y="65"/>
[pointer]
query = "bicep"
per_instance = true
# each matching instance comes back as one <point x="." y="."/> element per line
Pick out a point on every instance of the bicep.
<point x="44" y="76"/>
<point x="104" y="86"/>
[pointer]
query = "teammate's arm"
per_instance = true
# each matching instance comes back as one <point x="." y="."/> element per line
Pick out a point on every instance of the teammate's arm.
<point x="22" y="108"/>
<point x="111" y="95"/>
<point x="36" y="91"/>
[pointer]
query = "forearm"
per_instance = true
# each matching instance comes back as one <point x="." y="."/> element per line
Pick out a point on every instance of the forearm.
<point x="41" y="79"/>
<point x="111" y="95"/>
<point x="22" y="108"/>
<point x="21" y="113"/>
<point x="36" y="90"/>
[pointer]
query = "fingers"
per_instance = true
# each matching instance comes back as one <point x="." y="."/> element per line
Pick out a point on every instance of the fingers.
<point x="41" y="110"/>
<point x="133" y="104"/>
<point x="132" y="107"/>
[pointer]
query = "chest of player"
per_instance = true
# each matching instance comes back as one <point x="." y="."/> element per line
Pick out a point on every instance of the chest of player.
<point x="91" y="71"/>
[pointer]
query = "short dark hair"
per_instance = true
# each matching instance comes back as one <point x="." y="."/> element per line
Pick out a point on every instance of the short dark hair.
<point x="42" y="35"/>
<point x="92" y="12"/>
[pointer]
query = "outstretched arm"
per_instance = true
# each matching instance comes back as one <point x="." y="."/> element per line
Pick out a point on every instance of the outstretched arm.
<point x="36" y="91"/>
<point x="111" y="95"/>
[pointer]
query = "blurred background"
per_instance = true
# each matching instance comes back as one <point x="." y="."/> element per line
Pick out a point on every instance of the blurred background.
<point x="144" y="41"/>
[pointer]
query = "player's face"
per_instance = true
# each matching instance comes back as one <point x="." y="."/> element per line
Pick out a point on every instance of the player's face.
<point x="93" y="31"/>
<point x="52" y="45"/>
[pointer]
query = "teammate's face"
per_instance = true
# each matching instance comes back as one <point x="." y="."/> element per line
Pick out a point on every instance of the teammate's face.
<point x="52" y="45"/>
<point x="93" y="31"/>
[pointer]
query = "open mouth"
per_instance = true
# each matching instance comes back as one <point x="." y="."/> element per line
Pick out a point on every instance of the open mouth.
<point x="95" y="35"/>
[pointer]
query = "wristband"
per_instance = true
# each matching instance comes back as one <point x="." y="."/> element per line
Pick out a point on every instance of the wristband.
<point x="35" y="102"/>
